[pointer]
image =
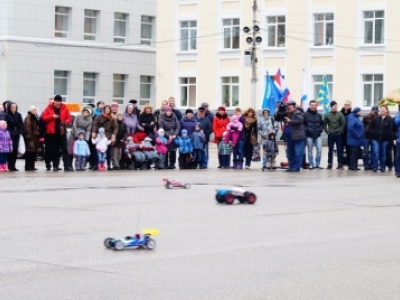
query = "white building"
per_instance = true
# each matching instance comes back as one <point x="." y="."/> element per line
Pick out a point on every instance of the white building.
<point x="84" y="50"/>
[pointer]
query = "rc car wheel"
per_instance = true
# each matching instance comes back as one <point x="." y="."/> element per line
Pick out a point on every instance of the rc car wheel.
<point x="250" y="197"/>
<point x="151" y="244"/>
<point x="219" y="198"/>
<point x="229" y="198"/>
<point x="187" y="185"/>
<point x="107" y="242"/>
<point x="118" y="245"/>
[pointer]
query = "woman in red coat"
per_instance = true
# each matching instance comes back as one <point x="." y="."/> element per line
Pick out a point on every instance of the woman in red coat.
<point x="221" y="119"/>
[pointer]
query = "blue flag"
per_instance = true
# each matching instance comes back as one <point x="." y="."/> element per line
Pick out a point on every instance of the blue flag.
<point x="272" y="96"/>
<point x="323" y="95"/>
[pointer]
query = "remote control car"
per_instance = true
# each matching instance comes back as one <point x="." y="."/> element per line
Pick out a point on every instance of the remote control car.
<point x="229" y="195"/>
<point x="169" y="184"/>
<point x="133" y="242"/>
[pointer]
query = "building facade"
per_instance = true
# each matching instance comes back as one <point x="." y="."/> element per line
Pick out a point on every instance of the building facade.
<point x="356" y="44"/>
<point x="84" y="50"/>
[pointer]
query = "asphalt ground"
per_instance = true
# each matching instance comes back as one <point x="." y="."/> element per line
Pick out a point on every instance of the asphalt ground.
<point x="311" y="235"/>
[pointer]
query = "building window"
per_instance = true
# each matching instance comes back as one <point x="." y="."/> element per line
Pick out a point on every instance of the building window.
<point x="323" y="29"/>
<point x="188" y="91"/>
<point x="230" y="91"/>
<point x="276" y="31"/>
<point x="90" y="24"/>
<point x="317" y="82"/>
<point x="373" y="89"/>
<point x="61" y="84"/>
<point x="188" y="35"/>
<point x="120" y="27"/>
<point x="374" y="27"/>
<point x="119" y="88"/>
<point x="61" y="24"/>
<point x="89" y="87"/>
<point x="145" y="89"/>
<point x="146" y="31"/>
<point x="231" y="33"/>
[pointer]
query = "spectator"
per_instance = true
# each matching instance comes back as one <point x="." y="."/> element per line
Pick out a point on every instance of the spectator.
<point x="57" y="117"/>
<point x="160" y="110"/>
<point x="250" y="130"/>
<point x="184" y="143"/>
<point x="220" y="122"/>
<point x="15" y="126"/>
<point x="114" y="110"/>
<point x="314" y="126"/>
<point x="131" y="120"/>
<point x="296" y="136"/>
<point x="200" y="117"/>
<point x="110" y="126"/>
<point x="383" y="132"/>
<point x="135" y="108"/>
<point x="148" y="121"/>
<point x="334" y="124"/>
<point x="368" y="137"/>
<point x="198" y="140"/>
<point x="6" y="146"/>
<point x="99" y="108"/>
<point x="31" y="135"/>
<point x="3" y="110"/>
<point x="188" y="122"/>
<point x="169" y="122"/>
<point x="177" y="113"/>
<point x="116" y="150"/>
<point x="346" y="111"/>
<point x="208" y="114"/>
<point x="355" y="137"/>
<point x="397" y="158"/>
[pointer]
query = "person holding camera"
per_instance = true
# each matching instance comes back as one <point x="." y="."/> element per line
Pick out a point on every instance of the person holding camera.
<point x="295" y="136"/>
<point x="57" y="117"/>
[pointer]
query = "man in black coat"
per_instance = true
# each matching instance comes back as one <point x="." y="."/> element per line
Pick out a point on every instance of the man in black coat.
<point x="177" y="113"/>
<point x="314" y="126"/>
<point x="207" y="129"/>
<point x="209" y="114"/>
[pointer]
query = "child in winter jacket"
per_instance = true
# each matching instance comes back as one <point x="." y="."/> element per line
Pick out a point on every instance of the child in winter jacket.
<point x="271" y="150"/>
<point x="161" y="148"/>
<point x="6" y="146"/>
<point x="101" y="143"/>
<point x="224" y="152"/>
<point x="234" y="128"/>
<point x="81" y="152"/>
<point x="198" y="140"/>
<point x="133" y="154"/>
<point x="184" y="143"/>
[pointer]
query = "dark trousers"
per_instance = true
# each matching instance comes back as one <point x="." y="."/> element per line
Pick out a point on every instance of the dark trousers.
<point x="352" y="157"/>
<point x="30" y="158"/>
<point x="199" y="155"/>
<point x="397" y="159"/>
<point x="248" y="153"/>
<point x="56" y="144"/>
<point x="93" y="154"/>
<point x="47" y="155"/>
<point x="224" y="160"/>
<point x="389" y="155"/>
<point x="170" y="159"/>
<point x="182" y="160"/>
<point x="332" y="140"/>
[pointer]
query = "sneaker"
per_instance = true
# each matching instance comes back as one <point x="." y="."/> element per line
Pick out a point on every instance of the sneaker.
<point x="319" y="168"/>
<point x="247" y="167"/>
<point x="311" y="168"/>
<point x="329" y="167"/>
<point x="340" y="167"/>
<point x="397" y="175"/>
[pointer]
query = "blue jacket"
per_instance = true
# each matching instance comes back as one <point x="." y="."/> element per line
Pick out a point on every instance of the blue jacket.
<point x="188" y="124"/>
<point x="397" y="126"/>
<point x="81" y="148"/>
<point x="355" y="131"/>
<point x="198" y="139"/>
<point x="184" y="144"/>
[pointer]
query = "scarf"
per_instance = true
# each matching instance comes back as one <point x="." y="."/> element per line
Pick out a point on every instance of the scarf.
<point x="110" y="117"/>
<point x="248" y="121"/>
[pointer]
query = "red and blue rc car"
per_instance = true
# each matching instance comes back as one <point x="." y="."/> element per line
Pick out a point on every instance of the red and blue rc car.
<point x="229" y="195"/>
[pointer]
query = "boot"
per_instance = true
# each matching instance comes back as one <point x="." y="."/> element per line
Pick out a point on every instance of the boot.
<point x="103" y="168"/>
<point x="240" y="165"/>
<point x="235" y="163"/>
<point x="5" y="167"/>
<point x="2" y="168"/>
<point x="98" y="167"/>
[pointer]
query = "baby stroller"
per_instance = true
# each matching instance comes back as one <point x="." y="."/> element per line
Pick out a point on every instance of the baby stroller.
<point x="133" y="158"/>
<point x="138" y="161"/>
<point x="151" y="157"/>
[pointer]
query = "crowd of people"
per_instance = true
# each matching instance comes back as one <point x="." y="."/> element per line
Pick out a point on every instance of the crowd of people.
<point x="107" y="137"/>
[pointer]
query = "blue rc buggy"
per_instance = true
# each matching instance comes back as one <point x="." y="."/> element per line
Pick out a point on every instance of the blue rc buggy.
<point x="229" y="195"/>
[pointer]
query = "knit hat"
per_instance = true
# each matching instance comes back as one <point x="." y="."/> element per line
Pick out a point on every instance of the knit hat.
<point x="3" y="124"/>
<point x="374" y="108"/>
<point x="221" y="107"/>
<point x="160" y="131"/>
<point x="81" y="132"/>
<point x="198" y="124"/>
<point x="114" y="104"/>
<point x="235" y="118"/>
<point x="101" y="130"/>
<point x="356" y="110"/>
<point x="189" y="111"/>
<point x="333" y="103"/>
<point x="204" y="104"/>
<point x="183" y="131"/>
<point x="89" y="109"/>
<point x="167" y="108"/>
<point x="201" y="108"/>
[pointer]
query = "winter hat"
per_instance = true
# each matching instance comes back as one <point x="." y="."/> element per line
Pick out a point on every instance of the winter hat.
<point x="184" y="131"/>
<point x="119" y="114"/>
<point x="81" y="132"/>
<point x="101" y="130"/>
<point x="3" y="124"/>
<point x="235" y="118"/>
<point x="147" y="139"/>
<point x="167" y="108"/>
<point x="221" y="107"/>
<point x="189" y="111"/>
<point x="356" y="110"/>
<point x="374" y="108"/>
<point x="160" y="131"/>
<point x="89" y="109"/>
<point x="91" y="105"/>
<point x="201" y="108"/>
<point x="133" y="101"/>
<point x="114" y="104"/>
<point x="204" y="104"/>
<point x="333" y="103"/>
<point x="58" y="98"/>
<point x="291" y="102"/>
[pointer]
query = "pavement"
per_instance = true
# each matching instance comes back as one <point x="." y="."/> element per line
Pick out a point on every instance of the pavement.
<point x="311" y="235"/>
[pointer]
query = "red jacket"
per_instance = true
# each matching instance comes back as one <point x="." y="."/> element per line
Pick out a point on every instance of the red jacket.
<point x="219" y="126"/>
<point x="47" y="117"/>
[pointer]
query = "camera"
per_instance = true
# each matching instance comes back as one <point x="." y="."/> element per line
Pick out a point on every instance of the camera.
<point x="281" y="113"/>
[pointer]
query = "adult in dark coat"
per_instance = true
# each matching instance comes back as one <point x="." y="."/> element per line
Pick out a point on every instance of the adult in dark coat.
<point x="208" y="114"/>
<point x="355" y="137"/>
<point x="3" y="112"/>
<point x="31" y="135"/>
<point x="170" y="124"/>
<point x="188" y="122"/>
<point x="314" y="126"/>
<point x="15" y="126"/>
<point x="250" y="130"/>
<point x="346" y="111"/>
<point x="368" y="137"/>
<point x="159" y="111"/>
<point x="148" y="121"/>
<point x="206" y="126"/>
